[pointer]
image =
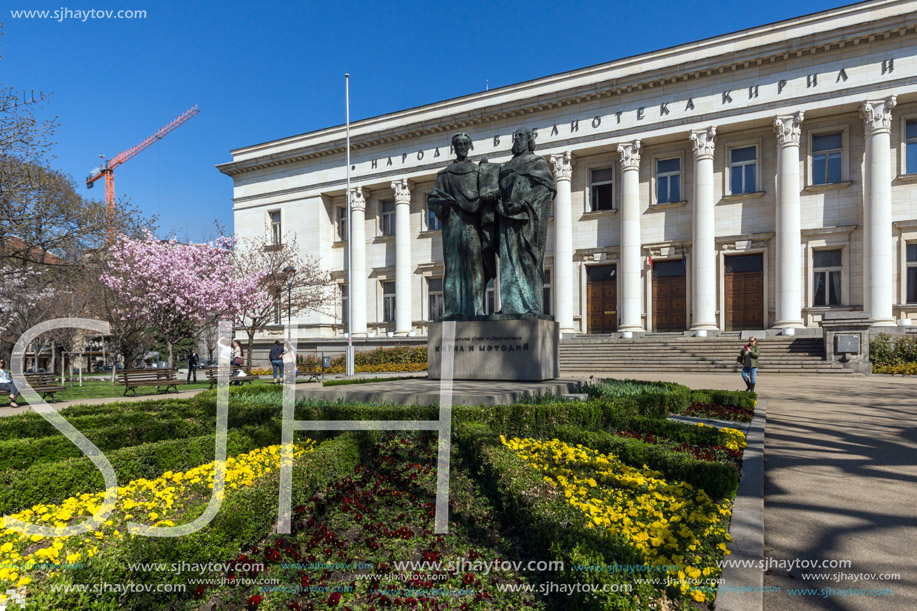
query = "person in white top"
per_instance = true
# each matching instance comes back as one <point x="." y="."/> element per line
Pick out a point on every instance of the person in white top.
<point x="6" y="384"/>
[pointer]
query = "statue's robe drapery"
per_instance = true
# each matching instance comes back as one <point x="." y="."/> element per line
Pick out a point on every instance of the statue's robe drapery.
<point x="526" y="195"/>
<point x="468" y="235"/>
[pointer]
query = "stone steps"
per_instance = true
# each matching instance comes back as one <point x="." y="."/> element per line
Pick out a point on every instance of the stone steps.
<point x="658" y="352"/>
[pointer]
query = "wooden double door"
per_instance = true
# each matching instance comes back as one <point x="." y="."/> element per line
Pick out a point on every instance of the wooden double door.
<point x="602" y="298"/>
<point x="669" y="296"/>
<point x="744" y="292"/>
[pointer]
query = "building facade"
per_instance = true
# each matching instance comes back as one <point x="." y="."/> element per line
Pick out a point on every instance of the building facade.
<point x="750" y="181"/>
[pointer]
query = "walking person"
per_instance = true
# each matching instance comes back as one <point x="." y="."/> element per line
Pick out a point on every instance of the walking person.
<point x="237" y="357"/>
<point x="750" y="353"/>
<point x="276" y="358"/>
<point x="7" y="385"/>
<point x="193" y="361"/>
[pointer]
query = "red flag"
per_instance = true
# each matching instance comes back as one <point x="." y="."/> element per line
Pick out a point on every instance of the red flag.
<point x="649" y="259"/>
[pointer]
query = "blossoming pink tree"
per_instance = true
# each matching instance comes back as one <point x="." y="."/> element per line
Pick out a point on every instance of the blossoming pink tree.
<point x="176" y="287"/>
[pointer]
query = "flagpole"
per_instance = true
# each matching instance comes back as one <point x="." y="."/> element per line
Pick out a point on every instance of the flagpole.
<point x="349" y="357"/>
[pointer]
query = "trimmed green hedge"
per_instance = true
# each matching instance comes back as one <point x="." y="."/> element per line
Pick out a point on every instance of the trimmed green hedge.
<point x="719" y="480"/>
<point x="731" y="398"/>
<point x="655" y="399"/>
<point x="553" y="529"/>
<point x="246" y="517"/>
<point x="53" y="482"/>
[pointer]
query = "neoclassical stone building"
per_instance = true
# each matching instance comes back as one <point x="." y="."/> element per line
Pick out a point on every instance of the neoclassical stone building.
<point x="749" y="181"/>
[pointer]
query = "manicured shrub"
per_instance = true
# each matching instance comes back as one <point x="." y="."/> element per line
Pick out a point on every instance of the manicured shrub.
<point x="245" y="517"/>
<point x="399" y="358"/>
<point x="907" y="369"/>
<point x="348" y="381"/>
<point x="534" y="512"/>
<point x="723" y="397"/>
<point x="885" y="352"/>
<point x="55" y="481"/>
<point x="654" y="399"/>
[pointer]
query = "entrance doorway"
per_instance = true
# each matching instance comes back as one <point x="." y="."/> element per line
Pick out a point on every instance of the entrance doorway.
<point x="669" y="296"/>
<point x="744" y="292"/>
<point x="602" y="298"/>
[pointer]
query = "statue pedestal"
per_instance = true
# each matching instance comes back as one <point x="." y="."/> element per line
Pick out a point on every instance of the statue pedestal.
<point x="515" y="350"/>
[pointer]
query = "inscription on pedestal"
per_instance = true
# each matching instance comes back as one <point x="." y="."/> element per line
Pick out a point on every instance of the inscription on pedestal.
<point x="521" y="350"/>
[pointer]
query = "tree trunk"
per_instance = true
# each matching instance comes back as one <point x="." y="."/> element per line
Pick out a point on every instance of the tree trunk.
<point x="169" y="343"/>
<point x="251" y="342"/>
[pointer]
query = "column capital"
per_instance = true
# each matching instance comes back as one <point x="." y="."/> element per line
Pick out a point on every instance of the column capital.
<point x="878" y="115"/>
<point x="563" y="165"/>
<point x="630" y="155"/>
<point x="358" y="199"/>
<point x="402" y="188"/>
<point x="789" y="128"/>
<point x="703" y="141"/>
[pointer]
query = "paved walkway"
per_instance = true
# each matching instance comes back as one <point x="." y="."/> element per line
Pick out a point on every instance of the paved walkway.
<point x="840" y="484"/>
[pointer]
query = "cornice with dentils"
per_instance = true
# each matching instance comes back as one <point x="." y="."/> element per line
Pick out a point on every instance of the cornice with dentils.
<point x="524" y="99"/>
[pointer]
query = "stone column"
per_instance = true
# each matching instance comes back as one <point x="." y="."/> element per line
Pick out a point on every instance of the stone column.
<point x="789" y="236"/>
<point x="402" y="256"/>
<point x="877" y="212"/>
<point x="631" y="263"/>
<point x="703" y="253"/>
<point x="562" y="286"/>
<point x="357" y="292"/>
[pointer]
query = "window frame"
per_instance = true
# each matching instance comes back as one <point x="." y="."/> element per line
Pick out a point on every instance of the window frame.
<point x="904" y="142"/>
<point x="654" y="183"/>
<point x="612" y="167"/>
<point x="844" y="150"/>
<point x="388" y="301"/>
<point x="547" y="305"/>
<point x="909" y="265"/>
<point x="728" y="168"/>
<point x="344" y="294"/>
<point x="340" y="223"/>
<point x="386" y="218"/>
<point x="431" y="294"/>
<point x="275" y="229"/>
<point x="839" y="269"/>
<point x="436" y="224"/>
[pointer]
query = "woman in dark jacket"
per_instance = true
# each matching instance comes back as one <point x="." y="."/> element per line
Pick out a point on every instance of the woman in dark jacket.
<point x="276" y="358"/>
<point x="750" y="353"/>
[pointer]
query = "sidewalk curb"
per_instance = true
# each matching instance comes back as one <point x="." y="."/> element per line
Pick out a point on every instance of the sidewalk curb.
<point x="747" y="527"/>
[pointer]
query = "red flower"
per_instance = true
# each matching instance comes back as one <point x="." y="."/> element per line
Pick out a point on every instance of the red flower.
<point x="468" y="579"/>
<point x="254" y="601"/>
<point x="199" y="592"/>
<point x="334" y="599"/>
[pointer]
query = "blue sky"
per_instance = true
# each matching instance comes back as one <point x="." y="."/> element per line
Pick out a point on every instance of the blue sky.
<point x="266" y="70"/>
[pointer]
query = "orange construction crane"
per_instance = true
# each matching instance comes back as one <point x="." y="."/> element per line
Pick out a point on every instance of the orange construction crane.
<point x="108" y="170"/>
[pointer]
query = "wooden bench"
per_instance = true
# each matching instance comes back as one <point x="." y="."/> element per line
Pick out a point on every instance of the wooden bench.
<point x="235" y="378"/>
<point x="44" y="384"/>
<point x="312" y="371"/>
<point x="158" y="377"/>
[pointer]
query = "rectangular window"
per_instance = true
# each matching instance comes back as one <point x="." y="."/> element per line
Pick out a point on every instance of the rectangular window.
<point x="668" y="180"/>
<point x="342" y="223"/>
<point x="433" y="223"/>
<point x="743" y="169"/>
<point x="601" y="187"/>
<point x="912" y="273"/>
<point x="826" y="158"/>
<point x="491" y="301"/>
<point x="828" y="267"/>
<point x="387" y="218"/>
<point x="276" y="235"/>
<point x="910" y="153"/>
<point x="435" y="292"/>
<point x="388" y="302"/>
<point x="278" y="308"/>
<point x="546" y="300"/>
<point x="345" y="310"/>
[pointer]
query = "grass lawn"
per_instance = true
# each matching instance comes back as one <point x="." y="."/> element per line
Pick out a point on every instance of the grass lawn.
<point x="96" y="389"/>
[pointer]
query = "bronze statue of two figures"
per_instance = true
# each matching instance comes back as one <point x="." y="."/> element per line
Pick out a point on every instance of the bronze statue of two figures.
<point x="491" y="211"/>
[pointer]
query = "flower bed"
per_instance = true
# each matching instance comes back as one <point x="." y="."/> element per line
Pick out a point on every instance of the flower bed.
<point x="162" y="501"/>
<point x="720" y="412"/>
<point x="671" y="524"/>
